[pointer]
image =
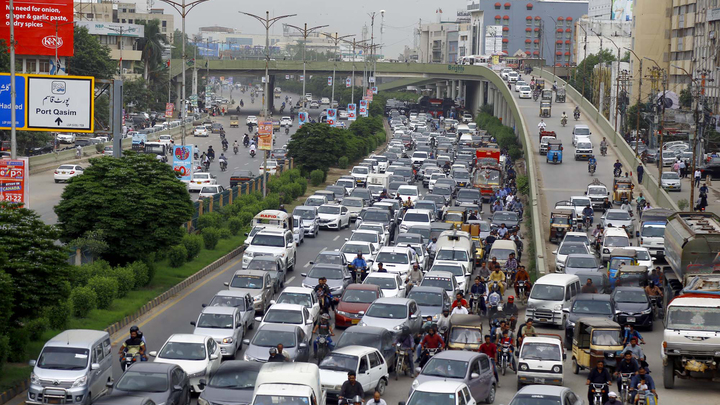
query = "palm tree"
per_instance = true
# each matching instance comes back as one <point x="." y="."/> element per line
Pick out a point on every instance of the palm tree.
<point x="152" y="46"/>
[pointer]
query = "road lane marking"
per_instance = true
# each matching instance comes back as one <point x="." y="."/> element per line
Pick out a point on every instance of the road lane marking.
<point x="246" y="164"/>
<point x="290" y="280"/>
<point x="336" y="238"/>
<point x="306" y="264"/>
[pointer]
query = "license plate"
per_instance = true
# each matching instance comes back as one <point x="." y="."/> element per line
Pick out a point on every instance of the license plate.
<point x="543" y="319"/>
<point x="631" y="319"/>
<point x="54" y="401"/>
<point x="355" y="321"/>
<point x="539" y="380"/>
<point x="62" y="172"/>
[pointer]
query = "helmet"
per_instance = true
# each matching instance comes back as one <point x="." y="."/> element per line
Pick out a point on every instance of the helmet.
<point x="134" y="328"/>
<point x="511" y="299"/>
<point x="273" y="351"/>
<point x="405" y="330"/>
<point x="325" y="316"/>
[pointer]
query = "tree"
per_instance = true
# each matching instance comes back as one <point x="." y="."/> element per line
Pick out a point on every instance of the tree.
<point x="177" y="46"/>
<point x="317" y="146"/>
<point x="91" y="57"/>
<point x="632" y="117"/>
<point x="37" y="265"/>
<point x="152" y="47"/>
<point x="583" y="73"/>
<point x="137" y="203"/>
<point x="137" y="94"/>
<point x="685" y="98"/>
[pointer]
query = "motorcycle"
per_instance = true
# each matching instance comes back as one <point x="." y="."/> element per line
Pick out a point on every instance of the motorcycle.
<point x="522" y="291"/>
<point x="401" y="363"/>
<point x="287" y="131"/>
<point x="617" y="172"/>
<point x="598" y="390"/>
<point x="625" y="386"/>
<point x="252" y="153"/>
<point x="505" y="358"/>
<point x="475" y="298"/>
<point x="207" y="166"/>
<point x="322" y="348"/>
<point x="563" y="121"/>
<point x="129" y="358"/>
<point x="591" y="169"/>
<point x="577" y="116"/>
<point x="225" y="147"/>
<point x="358" y="274"/>
<point x="656" y="302"/>
<point x="246" y="142"/>
<point x="603" y="150"/>
<point x="223" y="165"/>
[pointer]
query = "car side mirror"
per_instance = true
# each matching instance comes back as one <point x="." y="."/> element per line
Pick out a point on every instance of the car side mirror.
<point x="290" y="245"/>
<point x="413" y="316"/>
<point x="273" y="302"/>
<point x="193" y="323"/>
<point x="303" y="345"/>
<point x="109" y="384"/>
<point x="177" y="388"/>
<point x="564" y="356"/>
<point x="246" y="341"/>
<point x="303" y="274"/>
<point x="555" y="252"/>
<point x="474" y="375"/>
<point x="204" y="305"/>
<point x="153" y="354"/>
<point x="361" y="313"/>
<point x="202" y="383"/>
<point x="95" y="366"/>
<point x="258" y="319"/>
<point x="32" y="363"/>
<point x="309" y="322"/>
<point x="566" y="310"/>
<point x="213" y="357"/>
<point x="227" y="284"/>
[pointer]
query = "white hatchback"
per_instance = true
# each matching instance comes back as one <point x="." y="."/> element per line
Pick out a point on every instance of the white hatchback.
<point x="199" y="356"/>
<point x="391" y="284"/>
<point x="211" y="190"/>
<point x="288" y="314"/>
<point x="66" y="172"/>
<point x="200" y="180"/>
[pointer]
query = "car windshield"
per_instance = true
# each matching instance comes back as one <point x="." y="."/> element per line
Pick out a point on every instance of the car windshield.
<point x="183" y="351"/>
<point x="247" y="281"/>
<point x="295" y="298"/>
<point x="694" y="318"/>
<point x="268" y="240"/>
<point x="451" y="254"/>
<point x="581" y="202"/>
<point x="215" y="321"/>
<point x="446" y="368"/>
<point x="456" y="271"/>
<point x="468" y="195"/>
<point x="597" y="191"/>
<point x="389" y="311"/>
<point x="501" y="254"/>
<point x="272" y="338"/>
<point x="541" y="351"/>
<point x="618" y="216"/>
<point x="327" y="272"/>
<point x="420" y="230"/>
<point x="403" y="171"/>
<point x="228" y="301"/>
<point x="200" y="176"/>
<point x="616" y="241"/>
<point x="442" y="282"/>
<point x="544" y="292"/>
<point x="581" y="262"/>
<point x="408" y="191"/>
<point x="504" y="216"/>
<point x="442" y="190"/>
<point x="385" y="283"/>
<point x="570" y="248"/>
<point x="339" y="362"/>
<point x="359" y="296"/>
<point x="329" y="209"/>
<point x="329" y="258"/>
<point x="304" y="214"/>
<point x="630" y="296"/>
<point x="392" y="257"/>
<point x="376" y="216"/>
<point x="137" y="381"/>
<point x="653" y="231"/>
<point x="453" y="217"/>
<point x="416" y="217"/>
<point x="592" y="307"/>
<point x="352" y="202"/>
<point x="406" y="238"/>
<point x="434" y="398"/>
<point x="428" y="299"/>
<point x="355" y="248"/>
<point x="63" y="358"/>
<point x="365" y="237"/>
<point x="230" y="378"/>
<point x="670" y="176"/>
<point x="262" y="265"/>
<point x="283" y="316"/>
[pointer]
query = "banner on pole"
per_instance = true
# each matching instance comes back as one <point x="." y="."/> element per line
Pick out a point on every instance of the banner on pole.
<point x="329" y="80"/>
<point x="375" y="90"/>
<point x="182" y="161"/>
<point x="287" y="77"/>
<point x="302" y="118"/>
<point x="302" y="78"/>
<point x="371" y="79"/>
<point x="352" y="112"/>
<point x="265" y="134"/>
<point x="331" y="117"/>
<point x="363" y="111"/>
<point x="169" y="108"/>
<point x="348" y="82"/>
<point x="14" y="181"/>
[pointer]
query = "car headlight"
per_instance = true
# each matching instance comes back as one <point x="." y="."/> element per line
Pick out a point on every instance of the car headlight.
<point x="556" y="369"/>
<point x="306" y="285"/>
<point x="415" y="384"/>
<point x="247" y="358"/>
<point x="606" y="251"/>
<point x="198" y="374"/>
<point x="523" y="367"/>
<point x="558" y="307"/>
<point x="80" y="381"/>
<point x="227" y="340"/>
<point x="336" y="288"/>
<point x="203" y="401"/>
<point x="257" y="298"/>
<point x="248" y="255"/>
<point x="572" y="324"/>
<point x="647" y="311"/>
<point x="342" y="313"/>
<point x="34" y="379"/>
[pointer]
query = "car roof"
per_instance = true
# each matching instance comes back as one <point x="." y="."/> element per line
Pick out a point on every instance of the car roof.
<point x="278" y="327"/>
<point x="78" y="337"/>
<point x="363" y="287"/>
<point x="231" y="293"/>
<point x="543" y="390"/>
<point x="297" y="290"/>
<point x="187" y="338"/>
<point x="147" y="366"/>
<point x="392" y="300"/>
<point x="219" y="310"/>
<point x="428" y="289"/>
<point x="635" y="289"/>
<point x="377" y="274"/>
<point x="367" y="330"/>
<point x="288" y="307"/>
<point x="445" y="274"/>
<point x="592" y="297"/>
<point x="247" y="272"/>
<point x="355" y="350"/>
<point x="441" y="386"/>
<point x="458" y="354"/>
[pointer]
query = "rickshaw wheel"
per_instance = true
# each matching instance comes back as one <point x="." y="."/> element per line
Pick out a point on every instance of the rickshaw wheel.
<point x="575" y="367"/>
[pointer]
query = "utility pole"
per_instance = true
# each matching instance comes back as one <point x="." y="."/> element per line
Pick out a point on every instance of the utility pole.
<point x="555" y="47"/>
<point x="305" y="32"/>
<point x="57" y="26"/>
<point x="352" y="87"/>
<point x="13" y="90"/>
<point x="584" y="62"/>
<point x="336" y="40"/>
<point x="637" y="118"/>
<point x="617" y="89"/>
<point x="372" y="39"/>
<point x="623" y="80"/>
<point x="119" y="30"/>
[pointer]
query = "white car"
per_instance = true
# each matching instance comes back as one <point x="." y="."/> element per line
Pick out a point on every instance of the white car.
<point x="371" y="236"/>
<point x="396" y="259"/>
<point x="381" y="229"/>
<point x="224" y="324"/>
<point x="453" y="392"/>
<point x="333" y="216"/>
<point x="200" y="180"/>
<point x="300" y="296"/>
<point x="525" y="91"/>
<point x="210" y="191"/>
<point x="670" y="181"/>
<point x="462" y="277"/>
<point x="199" y="356"/>
<point x="415" y="217"/>
<point x="65" y="138"/>
<point x="288" y="314"/>
<point x="568" y="248"/>
<point x="251" y="119"/>
<point x="351" y="249"/>
<point x="342" y="114"/>
<point x="520" y="83"/>
<point x="411" y="192"/>
<point x="434" y="178"/>
<point x="360" y="174"/>
<point x="314" y="104"/>
<point x="324" y="101"/>
<point x="286" y="122"/>
<point x="643" y="256"/>
<point x="165" y="140"/>
<point x="367" y="362"/>
<point x="442" y="279"/>
<point x="66" y="172"/>
<point x="391" y="284"/>
<point x="200" y="131"/>
<point x="273" y="241"/>
<point x="272" y="166"/>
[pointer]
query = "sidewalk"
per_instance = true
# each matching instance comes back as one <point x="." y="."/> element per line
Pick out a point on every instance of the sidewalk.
<point x="687" y="183"/>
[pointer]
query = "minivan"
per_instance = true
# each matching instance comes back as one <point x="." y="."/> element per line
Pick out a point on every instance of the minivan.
<point x="74" y="367"/>
<point x="550" y="294"/>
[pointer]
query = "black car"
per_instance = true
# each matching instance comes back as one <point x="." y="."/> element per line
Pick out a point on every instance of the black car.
<point x="363" y="193"/>
<point x="232" y="383"/>
<point x="370" y="336"/>
<point x="711" y="167"/>
<point x="599" y="279"/>
<point x="468" y="195"/>
<point x="586" y="305"/>
<point x="82" y="142"/>
<point x="439" y="201"/>
<point x="511" y="219"/>
<point x="160" y="382"/>
<point x="240" y="176"/>
<point x="41" y="150"/>
<point x="632" y="306"/>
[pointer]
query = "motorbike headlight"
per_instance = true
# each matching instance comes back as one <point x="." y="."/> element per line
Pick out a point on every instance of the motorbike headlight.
<point x="198" y="374"/>
<point x="227" y="340"/>
<point x="80" y="381"/>
<point x="34" y="379"/>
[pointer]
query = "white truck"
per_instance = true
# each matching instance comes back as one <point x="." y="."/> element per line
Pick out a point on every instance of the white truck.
<point x="541" y="360"/>
<point x="597" y="192"/>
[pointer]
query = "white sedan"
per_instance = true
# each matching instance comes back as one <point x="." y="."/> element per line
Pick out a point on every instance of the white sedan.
<point x="272" y="166"/>
<point x="300" y="296"/>
<point x="525" y="91"/>
<point x="66" y="138"/>
<point x="251" y="119"/>
<point x="199" y="356"/>
<point x="66" y="172"/>
<point x="200" y="180"/>
<point x="200" y="131"/>
<point x="334" y="216"/>
<point x="288" y="314"/>
<point x="210" y="191"/>
<point x="390" y="283"/>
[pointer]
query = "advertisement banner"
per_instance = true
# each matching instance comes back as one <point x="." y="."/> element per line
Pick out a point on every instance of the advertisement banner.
<point x="331" y="117"/>
<point x="302" y="78"/>
<point x="112" y="29"/>
<point x="138" y="141"/>
<point x="622" y="10"/>
<point x="182" y="161"/>
<point x="374" y="90"/>
<point x="329" y="80"/>
<point x="371" y="79"/>
<point x="302" y="118"/>
<point x="265" y="134"/>
<point x="169" y="108"/>
<point x="348" y="82"/>
<point x="35" y="37"/>
<point x="352" y="112"/>
<point x="287" y="77"/>
<point x="363" y="108"/>
<point x="369" y="94"/>
<point x="14" y="181"/>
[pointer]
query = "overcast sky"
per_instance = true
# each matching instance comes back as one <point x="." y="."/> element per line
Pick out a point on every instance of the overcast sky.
<point x="344" y="17"/>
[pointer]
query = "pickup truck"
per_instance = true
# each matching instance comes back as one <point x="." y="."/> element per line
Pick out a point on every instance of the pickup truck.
<point x="597" y="193"/>
<point x="577" y="204"/>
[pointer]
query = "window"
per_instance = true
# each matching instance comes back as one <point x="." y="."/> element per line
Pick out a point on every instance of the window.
<point x="209" y="347"/>
<point x="107" y="346"/>
<point x="475" y="368"/>
<point x="89" y="15"/>
<point x="484" y="363"/>
<point x="461" y="399"/>
<point x="572" y="398"/>
<point x="164" y="24"/>
<point x="363" y="365"/>
<point x="467" y="394"/>
<point x="375" y="360"/>
<point x="123" y="21"/>
<point x="44" y="66"/>
<point x="98" y="353"/>
<point x="177" y="377"/>
<point x="31" y="66"/>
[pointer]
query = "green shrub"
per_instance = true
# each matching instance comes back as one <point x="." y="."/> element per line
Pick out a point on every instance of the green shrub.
<point x="125" y="278"/>
<point x="83" y="301"/>
<point x="234" y="224"/>
<point x="343" y="162"/>
<point x="286" y="194"/>
<point x="79" y="275"/>
<point x="296" y="190"/>
<point x="4" y="349"/>
<point x="245" y="218"/>
<point x="193" y="244"/>
<point x="224" y="233"/>
<point x="523" y="185"/>
<point x="302" y="182"/>
<point x="317" y="176"/>
<point x="99" y="147"/>
<point x="211" y="236"/>
<point x="6" y="301"/>
<point x="36" y="327"/>
<point x="514" y="152"/>
<point x="271" y="202"/>
<point x="106" y="289"/>
<point x="210" y="219"/>
<point x="178" y="255"/>
<point x="19" y="338"/>
<point x="59" y="314"/>
<point x="275" y="184"/>
<point x="141" y="272"/>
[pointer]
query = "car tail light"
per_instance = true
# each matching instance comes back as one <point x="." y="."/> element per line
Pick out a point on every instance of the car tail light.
<point x="56" y="172"/>
<point x="72" y="172"/>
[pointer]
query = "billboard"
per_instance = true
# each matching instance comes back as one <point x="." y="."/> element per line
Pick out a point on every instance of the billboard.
<point x="621" y="10"/>
<point x="302" y="118"/>
<point x="265" y="135"/>
<point x="493" y="39"/>
<point x="14" y="181"/>
<point x="35" y="25"/>
<point x="113" y="29"/>
<point x="331" y="117"/>
<point x="182" y="161"/>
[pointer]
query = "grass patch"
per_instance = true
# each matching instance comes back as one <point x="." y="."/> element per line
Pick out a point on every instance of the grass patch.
<point x="13" y="373"/>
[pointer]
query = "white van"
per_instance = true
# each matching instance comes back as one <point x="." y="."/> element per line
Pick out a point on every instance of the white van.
<point x="550" y="294"/>
<point x="541" y="360"/>
<point x="501" y="250"/>
<point x="273" y="219"/>
<point x="613" y="238"/>
<point x="289" y="383"/>
<point x="456" y="247"/>
<point x="379" y="179"/>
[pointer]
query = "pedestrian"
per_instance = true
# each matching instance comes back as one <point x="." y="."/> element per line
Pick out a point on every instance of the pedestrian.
<point x="377" y="400"/>
<point x="676" y="167"/>
<point x="697" y="177"/>
<point x="682" y="166"/>
<point x="640" y="172"/>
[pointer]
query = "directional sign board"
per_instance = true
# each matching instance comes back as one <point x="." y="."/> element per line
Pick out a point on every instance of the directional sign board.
<point x="60" y="103"/>
<point x="5" y="105"/>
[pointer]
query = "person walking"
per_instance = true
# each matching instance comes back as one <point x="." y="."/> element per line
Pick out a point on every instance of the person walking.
<point x="683" y="171"/>
<point x="697" y="177"/>
<point x="640" y="172"/>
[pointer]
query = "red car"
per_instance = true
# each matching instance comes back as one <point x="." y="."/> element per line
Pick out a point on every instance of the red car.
<point x="356" y="298"/>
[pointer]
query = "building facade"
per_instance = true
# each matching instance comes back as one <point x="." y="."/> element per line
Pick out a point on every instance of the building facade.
<point x="591" y="35"/>
<point x="439" y="42"/>
<point x="650" y="39"/>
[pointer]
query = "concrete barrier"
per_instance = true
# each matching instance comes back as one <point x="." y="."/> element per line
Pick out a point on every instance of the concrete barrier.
<point x="657" y="195"/>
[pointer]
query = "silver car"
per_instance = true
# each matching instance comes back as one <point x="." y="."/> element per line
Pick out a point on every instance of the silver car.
<point x="617" y="218"/>
<point x="581" y="262"/>
<point x="224" y="325"/>
<point x="392" y="314"/>
<point x="473" y="369"/>
<point x="670" y="181"/>
<point x="242" y="300"/>
<point x="256" y="282"/>
<point x="295" y="342"/>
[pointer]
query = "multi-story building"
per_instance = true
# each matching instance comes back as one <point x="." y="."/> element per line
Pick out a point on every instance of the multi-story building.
<point x="650" y="39"/>
<point x="706" y="54"/>
<point x="439" y="42"/>
<point x="547" y="25"/>
<point x="593" y="34"/>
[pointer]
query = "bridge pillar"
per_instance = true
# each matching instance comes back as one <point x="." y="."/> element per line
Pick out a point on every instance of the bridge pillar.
<point x="496" y="102"/>
<point x="453" y="89"/>
<point x="437" y="90"/>
<point x="270" y="98"/>
<point x="447" y="89"/>
<point x="480" y="94"/>
<point x="461" y="89"/>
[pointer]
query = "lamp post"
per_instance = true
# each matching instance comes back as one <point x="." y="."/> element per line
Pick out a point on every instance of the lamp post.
<point x="57" y="26"/>
<point x="584" y="62"/>
<point x="662" y="120"/>
<point x="372" y="41"/>
<point x="382" y="28"/>
<point x="352" y="87"/>
<point x="184" y="9"/>
<point x="698" y="111"/>
<point x="554" y="47"/>
<point x="617" y="90"/>
<point x="637" y="118"/>
<point x="335" y="40"/>
<point x="305" y="32"/>
<point x="207" y="60"/>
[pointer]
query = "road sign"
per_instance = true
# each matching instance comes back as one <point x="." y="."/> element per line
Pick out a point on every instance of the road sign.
<point x="60" y="103"/>
<point x="20" y="81"/>
<point x="265" y="135"/>
<point x="14" y="181"/>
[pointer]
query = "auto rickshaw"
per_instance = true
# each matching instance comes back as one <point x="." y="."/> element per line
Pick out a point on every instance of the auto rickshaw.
<point x="561" y="222"/>
<point x="545" y="136"/>
<point x="545" y="108"/>
<point x="622" y="190"/>
<point x="617" y="257"/>
<point x="560" y="95"/>
<point x="234" y="121"/>
<point x="474" y="228"/>
<point x="539" y="83"/>
<point x="596" y="339"/>
<point x="455" y="216"/>
<point x="554" y="153"/>
<point x="546" y="95"/>
<point x="632" y="276"/>
<point x="465" y="332"/>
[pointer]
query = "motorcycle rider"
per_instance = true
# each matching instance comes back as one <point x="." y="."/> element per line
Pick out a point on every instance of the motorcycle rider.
<point x="252" y="149"/>
<point x="351" y="388"/>
<point x="275" y="357"/>
<point x="223" y="161"/>
<point x="324" y="294"/>
<point x="235" y="146"/>
<point x="133" y="345"/>
<point x="592" y="163"/>
<point x="415" y="275"/>
<point x="359" y="264"/>
<point x="598" y="375"/>
<point x="588" y="212"/>
<point x="499" y="277"/>
<point x="432" y="340"/>
<point x="617" y="168"/>
<point x="522" y="275"/>
<point x="323" y="328"/>
<point x="564" y="118"/>
<point x="459" y="301"/>
<point x="576" y="113"/>
<point x="490" y="349"/>
<point x="407" y="345"/>
<point x="542" y="125"/>
<point x="627" y="365"/>
<point x="225" y="144"/>
<point x="246" y="140"/>
<point x="478" y="289"/>
<point x="507" y="340"/>
<point x="443" y="322"/>
<point x="211" y="152"/>
<point x="603" y="146"/>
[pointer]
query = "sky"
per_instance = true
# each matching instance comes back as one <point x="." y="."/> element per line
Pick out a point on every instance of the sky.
<point x="344" y="17"/>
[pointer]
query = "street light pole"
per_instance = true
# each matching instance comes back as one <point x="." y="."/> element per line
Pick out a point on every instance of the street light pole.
<point x="662" y="120"/>
<point x="637" y="109"/>
<point x="372" y="41"/>
<point x="184" y="9"/>
<point x="617" y="89"/>
<point x="555" y="47"/>
<point x="352" y="87"/>
<point x="335" y="40"/>
<point x="305" y="32"/>
<point x="584" y="62"/>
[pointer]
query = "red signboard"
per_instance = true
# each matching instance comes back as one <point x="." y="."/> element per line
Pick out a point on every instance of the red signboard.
<point x="14" y="181"/>
<point x="35" y="27"/>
